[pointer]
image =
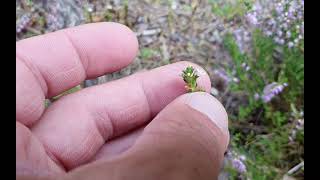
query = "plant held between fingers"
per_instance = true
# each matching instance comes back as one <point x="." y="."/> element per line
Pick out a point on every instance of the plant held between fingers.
<point x="190" y="77"/>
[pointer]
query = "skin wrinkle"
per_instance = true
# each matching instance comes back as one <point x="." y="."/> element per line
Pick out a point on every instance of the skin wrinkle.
<point x="65" y="74"/>
<point x="54" y="167"/>
<point x="25" y="141"/>
<point x="29" y="109"/>
<point x="118" y="145"/>
<point x="105" y="129"/>
<point x="84" y="64"/>
<point x="85" y="155"/>
<point x="35" y="71"/>
<point x="35" y="107"/>
<point x="100" y="114"/>
<point x="92" y="143"/>
<point x="54" y="157"/>
<point x="133" y="112"/>
<point x="146" y="98"/>
<point x="69" y="156"/>
<point x="65" y="70"/>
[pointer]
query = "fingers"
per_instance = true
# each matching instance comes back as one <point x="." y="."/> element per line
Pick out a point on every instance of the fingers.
<point x="186" y="140"/>
<point x="189" y="137"/>
<point x="50" y="64"/>
<point x="74" y="128"/>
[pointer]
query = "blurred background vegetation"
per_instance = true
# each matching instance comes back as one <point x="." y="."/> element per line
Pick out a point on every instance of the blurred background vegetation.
<point x="253" y="51"/>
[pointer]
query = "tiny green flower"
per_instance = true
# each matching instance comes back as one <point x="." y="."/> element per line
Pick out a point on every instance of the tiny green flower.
<point x="190" y="77"/>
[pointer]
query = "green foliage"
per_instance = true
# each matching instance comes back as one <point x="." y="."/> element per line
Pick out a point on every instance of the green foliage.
<point x="147" y="53"/>
<point x="228" y="9"/>
<point x="87" y="15"/>
<point x="293" y="72"/>
<point x="267" y="152"/>
<point x="29" y="3"/>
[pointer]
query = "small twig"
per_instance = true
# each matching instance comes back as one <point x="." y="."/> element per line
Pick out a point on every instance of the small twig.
<point x="228" y="103"/>
<point x="296" y="168"/>
<point x="164" y="48"/>
<point x="150" y="32"/>
<point x="35" y="31"/>
<point x="258" y="129"/>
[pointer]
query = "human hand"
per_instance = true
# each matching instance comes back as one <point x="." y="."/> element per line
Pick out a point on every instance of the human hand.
<point x="143" y="126"/>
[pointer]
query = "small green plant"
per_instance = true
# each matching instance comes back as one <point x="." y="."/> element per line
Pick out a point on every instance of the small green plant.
<point x="147" y="53"/>
<point x="190" y="77"/>
<point x="69" y="91"/>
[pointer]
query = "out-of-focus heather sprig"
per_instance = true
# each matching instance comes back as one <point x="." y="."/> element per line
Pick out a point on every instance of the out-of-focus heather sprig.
<point x="286" y="25"/>
<point x="64" y="13"/>
<point x="243" y="38"/>
<point x="237" y="162"/>
<point x="298" y="126"/>
<point x="225" y="77"/>
<point x="270" y="91"/>
<point x="297" y="121"/>
<point x="53" y="17"/>
<point x="23" y="22"/>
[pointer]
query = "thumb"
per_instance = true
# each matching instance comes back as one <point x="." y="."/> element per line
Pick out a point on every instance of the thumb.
<point x="186" y="140"/>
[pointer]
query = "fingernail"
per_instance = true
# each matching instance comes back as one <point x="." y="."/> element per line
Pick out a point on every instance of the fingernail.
<point x="210" y="106"/>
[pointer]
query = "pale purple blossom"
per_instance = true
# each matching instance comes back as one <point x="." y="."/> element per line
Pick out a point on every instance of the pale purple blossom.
<point x="222" y="75"/>
<point x="242" y="37"/>
<point x="279" y="9"/>
<point x="268" y="33"/>
<point x="242" y="157"/>
<point x="237" y="161"/>
<point x="252" y="19"/>
<point x="289" y="15"/>
<point x="290" y="44"/>
<point x="299" y="125"/>
<point x="239" y="165"/>
<point x="272" y="90"/>
<point x="281" y="41"/>
<point x="22" y="23"/>
<point x="285" y="26"/>
<point x="256" y="96"/>
<point x="288" y="34"/>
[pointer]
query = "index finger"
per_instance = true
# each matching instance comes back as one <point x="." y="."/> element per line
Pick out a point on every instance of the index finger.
<point x="50" y="64"/>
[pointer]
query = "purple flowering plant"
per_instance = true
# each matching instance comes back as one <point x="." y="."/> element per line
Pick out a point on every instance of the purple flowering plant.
<point x="271" y="78"/>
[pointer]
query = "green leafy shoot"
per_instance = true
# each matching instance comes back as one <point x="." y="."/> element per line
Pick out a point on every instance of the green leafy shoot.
<point x="190" y="77"/>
